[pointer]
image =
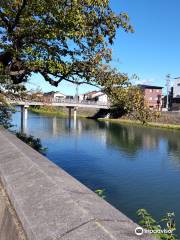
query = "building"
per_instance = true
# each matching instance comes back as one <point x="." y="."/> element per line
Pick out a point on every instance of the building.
<point x="95" y="96"/>
<point x="69" y="97"/>
<point x="34" y="96"/>
<point x="54" y="96"/>
<point x="101" y="97"/>
<point x="87" y="96"/>
<point x="152" y="96"/>
<point x="176" y="95"/>
<point x="176" y="88"/>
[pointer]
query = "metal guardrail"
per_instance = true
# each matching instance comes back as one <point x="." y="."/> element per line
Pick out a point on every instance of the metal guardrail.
<point x="63" y="101"/>
<point x="85" y="102"/>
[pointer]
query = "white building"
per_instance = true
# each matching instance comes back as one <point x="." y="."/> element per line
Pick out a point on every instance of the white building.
<point x="54" y="96"/>
<point x="100" y="97"/>
<point x="95" y="96"/>
<point x="176" y="88"/>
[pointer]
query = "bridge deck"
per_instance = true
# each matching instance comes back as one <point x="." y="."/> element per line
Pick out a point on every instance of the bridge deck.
<point x="87" y="104"/>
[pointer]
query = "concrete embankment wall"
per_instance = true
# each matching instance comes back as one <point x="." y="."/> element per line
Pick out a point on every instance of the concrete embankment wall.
<point x="84" y="112"/>
<point x="169" y="118"/>
<point x="10" y="226"/>
<point x="40" y="201"/>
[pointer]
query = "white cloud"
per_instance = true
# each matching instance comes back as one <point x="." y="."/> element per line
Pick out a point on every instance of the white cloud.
<point x="147" y="81"/>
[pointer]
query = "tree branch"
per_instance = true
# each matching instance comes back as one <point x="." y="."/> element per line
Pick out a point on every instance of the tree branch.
<point x="17" y="73"/>
<point x="61" y="78"/>
<point x="16" y="21"/>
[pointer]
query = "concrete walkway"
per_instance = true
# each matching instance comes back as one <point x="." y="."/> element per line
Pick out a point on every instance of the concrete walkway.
<point x="52" y="205"/>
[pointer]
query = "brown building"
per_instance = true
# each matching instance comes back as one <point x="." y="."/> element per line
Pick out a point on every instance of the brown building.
<point x="152" y="96"/>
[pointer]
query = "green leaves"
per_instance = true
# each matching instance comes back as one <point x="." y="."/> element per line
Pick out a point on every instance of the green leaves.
<point x="149" y="223"/>
<point x="147" y="220"/>
<point x="31" y="141"/>
<point x="8" y="90"/>
<point x="5" y="112"/>
<point x="101" y="193"/>
<point x="131" y="99"/>
<point x="65" y="40"/>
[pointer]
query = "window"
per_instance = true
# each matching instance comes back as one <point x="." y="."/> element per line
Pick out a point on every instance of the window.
<point x="157" y="90"/>
<point x="150" y="90"/>
<point x="150" y="98"/>
<point x="178" y="84"/>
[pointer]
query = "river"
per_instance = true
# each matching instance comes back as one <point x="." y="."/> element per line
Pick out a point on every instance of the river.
<point x="138" y="167"/>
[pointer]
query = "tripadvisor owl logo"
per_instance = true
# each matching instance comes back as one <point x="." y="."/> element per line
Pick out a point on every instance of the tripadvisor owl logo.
<point x="139" y="231"/>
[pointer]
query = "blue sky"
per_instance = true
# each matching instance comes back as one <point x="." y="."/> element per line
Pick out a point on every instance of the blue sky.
<point x="151" y="52"/>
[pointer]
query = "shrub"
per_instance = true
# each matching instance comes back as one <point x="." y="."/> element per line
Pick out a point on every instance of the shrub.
<point x="32" y="142"/>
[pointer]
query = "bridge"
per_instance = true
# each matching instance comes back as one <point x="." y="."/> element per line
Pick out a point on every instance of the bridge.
<point x="71" y="104"/>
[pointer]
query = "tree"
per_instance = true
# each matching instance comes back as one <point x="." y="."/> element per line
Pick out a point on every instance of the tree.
<point x="130" y="102"/>
<point x="11" y="91"/>
<point x="61" y="39"/>
<point x="66" y="40"/>
<point x="5" y="112"/>
<point x="125" y="98"/>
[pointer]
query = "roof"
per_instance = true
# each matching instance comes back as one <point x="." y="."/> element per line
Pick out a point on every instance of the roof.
<point x="149" y="86"/>
<point x="98" y="94"/>
<point x="53" y="92"/>
<point x="91" y="92"/>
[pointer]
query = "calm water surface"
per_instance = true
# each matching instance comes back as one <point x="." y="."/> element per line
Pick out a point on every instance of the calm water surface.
<point x="138" y="167"/>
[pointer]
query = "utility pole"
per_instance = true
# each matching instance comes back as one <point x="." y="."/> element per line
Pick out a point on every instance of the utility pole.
<point x="77" y="91"/>
<point x="168" y="89"/>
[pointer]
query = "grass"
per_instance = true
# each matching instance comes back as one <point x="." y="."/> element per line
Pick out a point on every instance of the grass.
<point x="48" y="111"/>
<point x="52" y="112"/>
<point x="149" y="124"/>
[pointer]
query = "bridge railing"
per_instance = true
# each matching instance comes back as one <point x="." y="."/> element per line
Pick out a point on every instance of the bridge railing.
<point x="65" y="101"/>
<point x="73" y="101"/>
<point x="54" y="101"/>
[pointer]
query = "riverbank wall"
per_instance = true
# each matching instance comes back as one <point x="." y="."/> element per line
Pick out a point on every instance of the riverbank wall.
<point x="43" y="202"/>
<point x="169" y="120"/>
<point x="63" y="111"/>
<point x="166" y="120"/>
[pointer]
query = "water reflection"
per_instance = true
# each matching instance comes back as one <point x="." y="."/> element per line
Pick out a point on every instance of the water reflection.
<point x="139" y="167"/>
<point x="129" y="139"/>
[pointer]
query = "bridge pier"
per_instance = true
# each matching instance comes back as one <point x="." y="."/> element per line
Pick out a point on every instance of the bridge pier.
<point x="75" y="117"/>
<point x="54" y="126"/>
<point x="75" y="113"/>
<point x="24" y="116"/>
<point x="70" y="114"/>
